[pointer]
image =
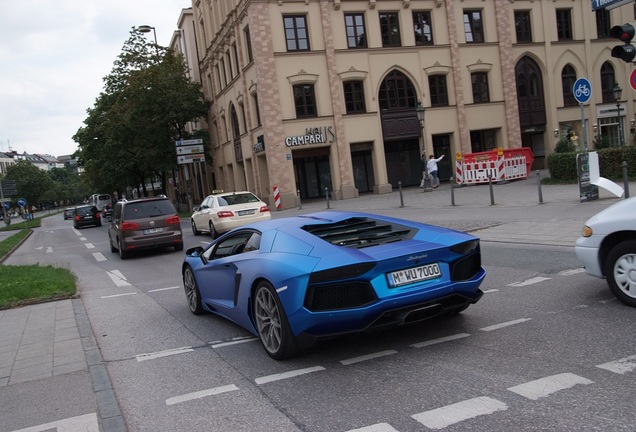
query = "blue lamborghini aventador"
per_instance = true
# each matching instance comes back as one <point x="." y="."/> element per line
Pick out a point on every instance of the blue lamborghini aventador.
<point x="292" y="281"/>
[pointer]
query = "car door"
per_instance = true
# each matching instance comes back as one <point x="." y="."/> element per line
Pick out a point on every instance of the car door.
<point x="200" y="216"/>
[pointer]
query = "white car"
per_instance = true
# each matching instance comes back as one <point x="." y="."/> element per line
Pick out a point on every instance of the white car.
<point x="607" y="248"/>
<point x="221" y="212"/>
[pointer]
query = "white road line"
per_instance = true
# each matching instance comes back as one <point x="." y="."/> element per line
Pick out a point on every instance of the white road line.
<point x="82" y="238"/>
<point x="571" y="272"/>
<point x="49" y="249"/>
<point x="165" y="353"/>
<point x="439" y="340"/>
<point x="119" y="295"/>
<point x="379" y="427"/>
<point x="237" y="341"/>
<point x="620" y="366"/>
<point x="201" y="394"/>
<point x="83" y="423"/>
<point x="450" y="414"/>
<point x="89" y="245"/>
<point x="505" y="324"/>
<point x="285" y="375"/>
<point x="164" y="289"/>
<point x="367" y="357"/>
<point x="545" y="386"/>
<point x="99" y="256"/>
<point x="490" y="291"/>
<point x="530" y="281"/>
<point x="117" y="278"/>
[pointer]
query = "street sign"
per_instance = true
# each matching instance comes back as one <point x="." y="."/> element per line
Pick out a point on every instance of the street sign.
<point x="9" y="187"/>
<point x="21" y="202"/>
<point x="582" y="90"/>
<point x="632" y="80"/>
<point x="192" y="149"/>
<point x="608" y="4"/>
<point x="188" y="142"/>
<point x="184" y="159"/>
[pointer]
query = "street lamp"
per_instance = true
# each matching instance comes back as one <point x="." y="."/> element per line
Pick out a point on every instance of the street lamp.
<point x="146" y="29"/>
<point x="420" y="116"/>
<point x="618" y="91"/>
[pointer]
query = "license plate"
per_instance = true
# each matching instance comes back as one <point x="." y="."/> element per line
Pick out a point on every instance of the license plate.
<point x="153" y="230"/>
<point x="246" y="212"/>
<point x="414" y="274"/>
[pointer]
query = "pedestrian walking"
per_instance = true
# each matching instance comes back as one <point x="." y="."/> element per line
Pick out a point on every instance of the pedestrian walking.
<point x="431" y="167"/>
<point x="423" y="168"/>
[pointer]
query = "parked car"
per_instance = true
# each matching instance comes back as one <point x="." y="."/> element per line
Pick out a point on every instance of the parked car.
<point x="221" y="212"/>
<point x="607" y="248"/>
<point x="69" y="213"/>
<point x="144" y="224"/>
<point x="292" y="281"/>
<point x="107" y="211"/>
<point x="86" y="215"/>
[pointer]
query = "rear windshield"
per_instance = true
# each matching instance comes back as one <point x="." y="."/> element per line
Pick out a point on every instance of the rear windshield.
<point x="240" y="198"/>
<point x="104" y="197"/>
<point x="83" y="210"/>
<point x="146" y="209"/>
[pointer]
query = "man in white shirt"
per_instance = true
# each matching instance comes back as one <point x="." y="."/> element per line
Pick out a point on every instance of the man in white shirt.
<point x="431" y="167"/>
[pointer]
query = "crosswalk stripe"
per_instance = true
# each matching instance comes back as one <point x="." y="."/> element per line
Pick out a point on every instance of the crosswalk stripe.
<point x="543" y="387"/>
<point x="439" y="418"/>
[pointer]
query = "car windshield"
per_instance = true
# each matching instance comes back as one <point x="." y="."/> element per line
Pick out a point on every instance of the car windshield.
<point x="240" y="198"/>
<point x="145" y="209"/>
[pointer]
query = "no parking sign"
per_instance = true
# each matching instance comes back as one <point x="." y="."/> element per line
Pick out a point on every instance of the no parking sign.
<point x="632" y="80"/>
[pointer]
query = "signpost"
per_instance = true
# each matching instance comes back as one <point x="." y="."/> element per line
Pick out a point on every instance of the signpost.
<point x="582" y="91"/>
<point x="189" y="151"/>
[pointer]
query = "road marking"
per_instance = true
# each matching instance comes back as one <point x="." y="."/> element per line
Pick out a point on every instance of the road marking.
<point x="119" y="295"/>
<point x="49" y="249"/>
<point x="367" y="357"/>
<point x="234" y="341"/>
<point x="201" y="394"/>
<point x="165" y="353"/>
<point x="439" y="340"/>
<point x="82" y="238"/>
<point x="77" y="232"/>
<point x="620" y="366"/>
<point x="450" y="414"/>
<point x="545" y="386"/>
<point x="530" y="281"/>
<point x="99" y="256"/>
<point x="89" y="245"/>
<point x="285" y="375"/>
<point x="379" y="427"/>
<point x="164" y="289"/>
<point x="83" y="423"/>
<point x="505" y="324"/>
<point x="118" y="278"/>
<point x="571" y="272"/>
<point x="490" y="291"/>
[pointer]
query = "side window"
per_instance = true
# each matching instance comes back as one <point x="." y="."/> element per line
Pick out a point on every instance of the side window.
<point x="117" y="212"/>
<point x="237" y="244"/>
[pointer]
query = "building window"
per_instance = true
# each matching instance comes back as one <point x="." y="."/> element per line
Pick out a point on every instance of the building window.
<point x="305" y="100"/>
<point x="603" y="23"/>
<point x="354" y="97"/>
<point x="236" y="59"/>
<point x="218" y="77"/>
<point x="523" y="28"/>
<point x="564" y="24"/>
<point x="396" y="92"/>
<point x="438" y="90"/>
<point x="356" y="34"/>
<point x="608" y="81"/>
<point x="483" y="140"/>
<point x="480" y="87"/>
<point x="257" y="111"/>
<point x="229" y="64"/>
<point x="296" y="33"/>
<point x="473" y="26"/>
<point x="390" y="29"/>
<point x="223" y="73"/>
<point x="422" y="28"/>
<point x="248" y="44"/>
<point x="568" y="78"/>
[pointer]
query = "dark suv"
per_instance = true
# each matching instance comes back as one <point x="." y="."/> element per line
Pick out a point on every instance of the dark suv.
<point x="144" y="224"/>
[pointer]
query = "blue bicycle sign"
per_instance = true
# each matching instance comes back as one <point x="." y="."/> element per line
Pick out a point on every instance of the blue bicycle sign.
<point x="582" y="90"/>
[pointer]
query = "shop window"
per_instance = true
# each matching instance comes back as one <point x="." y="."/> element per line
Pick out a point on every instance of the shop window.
<point x="438" y="90"/>
<point x="305" y="100"/>
<point x="422" y="28"/>
<point x="356" y="34"/>
<point x="480" y="87"/>
<point x="354" y="97"/>
<point x="390" y="29"/>
<point x="483" y="140"/>
<point x="296" y="34"/>
<point x="473" y="26"/>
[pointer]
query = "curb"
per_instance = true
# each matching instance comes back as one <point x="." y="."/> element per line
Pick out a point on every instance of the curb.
<point x="8" y="254"/>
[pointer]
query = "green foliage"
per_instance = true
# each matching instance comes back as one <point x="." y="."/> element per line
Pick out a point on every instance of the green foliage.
<point x="564" y="145"/>
<point x="601" y="142"/>
<point x="20" y="285"/>
<point x="32" y="182"/>
<point x="563" y="168"/>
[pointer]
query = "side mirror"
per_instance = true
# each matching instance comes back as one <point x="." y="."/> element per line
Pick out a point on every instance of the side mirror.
<point x="195" y="208"/>
<point x="195" y="251"/>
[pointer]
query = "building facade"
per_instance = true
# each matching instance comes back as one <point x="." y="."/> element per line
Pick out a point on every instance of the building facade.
<point x="316" y="97"/>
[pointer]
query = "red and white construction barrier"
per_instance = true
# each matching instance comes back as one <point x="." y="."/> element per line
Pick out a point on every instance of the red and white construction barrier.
<point x="277" y="197"/>
<point x="478" y="168"/>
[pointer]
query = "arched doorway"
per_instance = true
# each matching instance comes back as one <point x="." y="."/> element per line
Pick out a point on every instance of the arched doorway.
<point x="400" y="129"/>
<point x="532" y="113"/>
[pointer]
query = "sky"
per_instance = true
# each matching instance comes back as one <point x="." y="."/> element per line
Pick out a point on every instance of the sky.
<point x="53" y="58"/>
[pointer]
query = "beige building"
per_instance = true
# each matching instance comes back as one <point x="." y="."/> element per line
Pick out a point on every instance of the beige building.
<point x="321" y="96"/>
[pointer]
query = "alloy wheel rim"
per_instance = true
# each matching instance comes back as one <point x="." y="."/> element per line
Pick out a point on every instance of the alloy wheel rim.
<point x="268" y="321"/>
<point x="625" y="274"/>
<point x="190" y="289"/>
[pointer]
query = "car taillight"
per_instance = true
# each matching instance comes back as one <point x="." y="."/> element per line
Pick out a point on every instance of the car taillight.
<point x="223" y="214"/>
<point x="129" y="226"/>
<point x="173" y="220"/>
<point x="97" y="215"/>
<point x="77" y="217"/>
<point x="264" y="209"/>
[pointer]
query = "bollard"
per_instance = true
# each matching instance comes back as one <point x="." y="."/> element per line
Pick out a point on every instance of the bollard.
<point x="625" y="179"/>
<point x="401" y="196"/>
<point x="539" y="187"/>
<point x="300" y="205"/>
<point x="327" y="195"/>
<point x="492" y="193"/>
<point x="452" y="192"/>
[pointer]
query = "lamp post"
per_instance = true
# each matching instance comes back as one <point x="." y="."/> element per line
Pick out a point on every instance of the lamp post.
<point x="618" y="91"/>
<point x="146" y="29"/>
<point x="420" y="116"/>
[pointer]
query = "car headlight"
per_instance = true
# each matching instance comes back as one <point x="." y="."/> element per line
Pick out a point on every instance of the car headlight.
<point x="587" y="231"/>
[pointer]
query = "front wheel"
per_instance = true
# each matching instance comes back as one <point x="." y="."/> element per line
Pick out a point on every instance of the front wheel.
<point x="271" y="323"/>
<point x="193" y="295"/>
<point x="620" y="271"/>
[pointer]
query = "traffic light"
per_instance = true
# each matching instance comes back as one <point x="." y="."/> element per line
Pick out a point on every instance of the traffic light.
<point x="625" y="33"/>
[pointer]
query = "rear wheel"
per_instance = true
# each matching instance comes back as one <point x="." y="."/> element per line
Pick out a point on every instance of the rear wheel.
<point x="213" y="231"/>
<point x="271" y="323"/>
<point x="195" y="231"/>
<point x="620" y="271"/>
<point x="122" y="253"/>
<point x="178" y="247"/>
<point x="193" y="295"/>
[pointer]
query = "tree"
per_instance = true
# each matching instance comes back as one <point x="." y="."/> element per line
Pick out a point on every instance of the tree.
<point x="32" y="182"/>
